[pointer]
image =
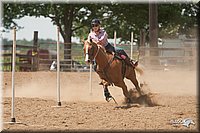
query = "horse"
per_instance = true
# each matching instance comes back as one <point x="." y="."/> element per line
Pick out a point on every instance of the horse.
<point x="110" y="69"/>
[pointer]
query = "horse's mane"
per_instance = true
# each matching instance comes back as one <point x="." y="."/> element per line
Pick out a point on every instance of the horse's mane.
<point x="103" y="50"/>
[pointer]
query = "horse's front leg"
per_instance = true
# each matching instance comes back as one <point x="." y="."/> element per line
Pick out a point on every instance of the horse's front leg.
<point x="107" y="93"/>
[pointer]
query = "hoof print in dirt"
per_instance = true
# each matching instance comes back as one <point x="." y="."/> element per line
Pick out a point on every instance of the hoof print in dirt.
<point x="148" y="99"/>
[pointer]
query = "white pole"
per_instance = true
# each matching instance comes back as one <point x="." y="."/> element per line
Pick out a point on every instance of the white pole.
<point x="131" y="45"/>
<point x="90" y="80"/>
<point x="115" y="38"/>
<point x="58" y="67"/>
<point x="13" y="75"/>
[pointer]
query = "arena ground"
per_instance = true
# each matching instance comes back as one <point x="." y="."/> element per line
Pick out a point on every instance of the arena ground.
<point x="174" y="90"/>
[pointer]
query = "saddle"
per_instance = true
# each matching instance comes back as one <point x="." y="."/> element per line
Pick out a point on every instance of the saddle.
<point x="127" y="60"/>
<point x="106" y="80"/>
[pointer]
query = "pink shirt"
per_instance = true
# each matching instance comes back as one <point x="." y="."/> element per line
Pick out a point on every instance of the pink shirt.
<point x="102" y="37"/>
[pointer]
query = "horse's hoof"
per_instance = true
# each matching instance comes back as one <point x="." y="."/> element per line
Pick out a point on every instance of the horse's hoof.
<point x="108" y="98"/>
<point x="128" y="100"/>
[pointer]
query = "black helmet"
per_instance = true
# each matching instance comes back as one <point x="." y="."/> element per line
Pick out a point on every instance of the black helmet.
<point x="95" y="21"/>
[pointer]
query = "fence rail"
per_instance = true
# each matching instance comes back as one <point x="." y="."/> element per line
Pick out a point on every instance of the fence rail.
<point x="40" y="55"/>
<point x="30" y="60"/>
<point x="22" y="58"/>
<point x="184" y="57"/>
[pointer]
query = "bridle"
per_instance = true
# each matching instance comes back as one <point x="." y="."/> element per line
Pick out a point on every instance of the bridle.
<point x="104" y="70"/>
<point x="87" y="54"/>
<point x="98" y="47"/>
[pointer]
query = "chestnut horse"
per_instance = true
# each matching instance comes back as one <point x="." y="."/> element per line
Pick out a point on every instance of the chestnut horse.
<point x="110" y="69"/>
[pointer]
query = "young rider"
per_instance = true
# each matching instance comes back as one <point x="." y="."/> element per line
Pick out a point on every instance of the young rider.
<point x="99" y="36"/>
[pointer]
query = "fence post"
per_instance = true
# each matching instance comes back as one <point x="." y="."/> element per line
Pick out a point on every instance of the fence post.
<point x="35" y="52"/>
<point x="193" y="64"/>
<point x="142" y="44"/>
<point x="142" y="37"/>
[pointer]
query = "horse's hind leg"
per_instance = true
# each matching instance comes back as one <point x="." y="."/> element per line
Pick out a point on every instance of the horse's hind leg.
<point x="124" y="88"/>
<point x="134" y="80"/>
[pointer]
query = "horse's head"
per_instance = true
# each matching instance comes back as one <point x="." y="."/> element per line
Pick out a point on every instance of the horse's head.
<point x="90" y="51"/>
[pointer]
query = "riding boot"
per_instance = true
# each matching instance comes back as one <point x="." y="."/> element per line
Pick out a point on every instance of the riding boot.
<point x="130" y="62"/>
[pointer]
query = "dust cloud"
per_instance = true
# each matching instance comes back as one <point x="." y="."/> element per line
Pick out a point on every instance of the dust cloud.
<point x="75" y="86"/>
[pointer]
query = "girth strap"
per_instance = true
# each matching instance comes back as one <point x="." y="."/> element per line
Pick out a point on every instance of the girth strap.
<point x="123" y="68"/>
<point x="105" y="73"/>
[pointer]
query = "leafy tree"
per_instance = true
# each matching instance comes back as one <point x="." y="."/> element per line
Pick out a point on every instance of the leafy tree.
<point x="175" y="19"/>
<point x="74" y="19"/>
<point x="68" y="17"/>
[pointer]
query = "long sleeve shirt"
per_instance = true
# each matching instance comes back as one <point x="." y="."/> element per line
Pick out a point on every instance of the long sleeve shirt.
<point x="101" y="38"/>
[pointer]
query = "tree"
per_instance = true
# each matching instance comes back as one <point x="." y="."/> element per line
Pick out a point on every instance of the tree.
<point x="68" y="17"/>
<point x="175" y="19"/>
<point x="74" y="19"/>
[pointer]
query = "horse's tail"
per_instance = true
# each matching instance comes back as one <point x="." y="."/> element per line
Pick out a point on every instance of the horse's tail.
<point x="139" y="70"/>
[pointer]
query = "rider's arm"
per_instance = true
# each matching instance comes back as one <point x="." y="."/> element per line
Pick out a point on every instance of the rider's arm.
<point x="103" y="39"/>
<point x="91" y="38"/>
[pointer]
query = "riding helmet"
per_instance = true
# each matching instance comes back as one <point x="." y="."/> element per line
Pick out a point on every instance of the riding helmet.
<point x="95" y="21"/>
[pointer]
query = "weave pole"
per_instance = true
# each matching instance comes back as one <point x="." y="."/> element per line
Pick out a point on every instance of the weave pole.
<point x="13" y="120"/>
<point x="90" y="80"/>
<point x="115" y="38"/>
<point x="58" y="67"/>
<point x="13" y="76"/>
<point x="131" y="45"/>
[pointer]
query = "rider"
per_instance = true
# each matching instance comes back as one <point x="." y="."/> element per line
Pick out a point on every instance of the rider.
<point x="99" y="36"/>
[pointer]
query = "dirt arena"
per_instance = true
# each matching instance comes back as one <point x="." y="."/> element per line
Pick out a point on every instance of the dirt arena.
<point x="175" y="91"/>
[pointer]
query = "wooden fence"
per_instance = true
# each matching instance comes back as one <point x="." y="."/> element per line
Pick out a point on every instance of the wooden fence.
<point x="29" y="60"/>
<point x="23" y="60"/>
<point x="167" y="58"/>
<point x="40" y="55"/>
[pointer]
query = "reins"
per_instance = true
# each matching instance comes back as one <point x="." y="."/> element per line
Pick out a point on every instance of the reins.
<point x="98" y="47"/>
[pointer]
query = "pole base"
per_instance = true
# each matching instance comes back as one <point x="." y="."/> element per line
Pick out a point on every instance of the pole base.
<point x="13" y="120"/>
<point x="59" y="103"/>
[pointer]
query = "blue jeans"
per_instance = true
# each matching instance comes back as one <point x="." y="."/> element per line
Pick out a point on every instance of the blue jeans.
<point x="119" y="51"/>
<point x="109" y="48"/>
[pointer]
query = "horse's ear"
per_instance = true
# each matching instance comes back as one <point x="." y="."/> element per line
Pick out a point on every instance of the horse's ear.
<point x="83" y="41"/>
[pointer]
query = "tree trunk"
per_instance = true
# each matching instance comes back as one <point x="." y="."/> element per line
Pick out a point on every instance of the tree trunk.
<point x="66" y="32"/>
<point x="153" y="32"/>
<point x="67" y="51"/>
